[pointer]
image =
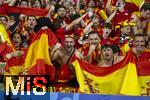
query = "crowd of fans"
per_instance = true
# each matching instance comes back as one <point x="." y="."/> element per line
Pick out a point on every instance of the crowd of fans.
<point x="100" y="32"/>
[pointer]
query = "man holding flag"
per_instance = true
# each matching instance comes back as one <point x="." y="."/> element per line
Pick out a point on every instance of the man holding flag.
<point x="119" y="78"/>
<point x="142" y="56"/>
<point x="62" y="58"/>
<point x="108" y="57"/>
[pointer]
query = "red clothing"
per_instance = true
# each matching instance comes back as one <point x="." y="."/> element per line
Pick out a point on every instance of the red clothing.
<point x="4" y="49"/>
<point x="64" y="73"/>
<point x="131" y="6"/>
<point x="121" y="16"/>
<point x="145" y="56"/>
<point x="95" y="54"/>
<point x="107" y="41"/>
<point x="32" y="35"/>
<point x="60" y="33"/>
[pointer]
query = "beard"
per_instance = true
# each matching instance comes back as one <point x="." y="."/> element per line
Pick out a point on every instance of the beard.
<point x="140" y="48"/>
<point x="68" y="49"/>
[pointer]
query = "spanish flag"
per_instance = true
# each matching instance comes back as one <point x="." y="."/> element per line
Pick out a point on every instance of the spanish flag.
<point x="120" y="78"/>
<point x="38" y="60"/>
<point x="4" y="36"/>
<point x="143" y="68"/>
<point x="14" y="66"/>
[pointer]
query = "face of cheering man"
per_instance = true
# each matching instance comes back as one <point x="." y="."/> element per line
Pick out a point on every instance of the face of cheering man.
<point x="139" y="43"/>
<point x="106" y="33"/>
<point x="69" y="44"/>
<point x="107" y="30"/>
<point x="17" y="40"/>
<point x="62" y="12"/>
<point x="23" y="4"/>
<point x="3" y="20"/>
<point x="107" y="53"/>
<point x="91" y="3"/>
<point x="37" y="4"/>
<point x="126" y="30"/>
<point x="31" y="22"/>
<point x="94" y="39"/>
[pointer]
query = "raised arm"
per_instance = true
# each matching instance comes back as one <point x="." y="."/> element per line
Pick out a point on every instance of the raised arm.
<point x="70" y="26"/>
<point x="10" y="2"/>
<point x="110" y="18"/>
<point x="78" y="6"/>
<point x="108" y="6"/>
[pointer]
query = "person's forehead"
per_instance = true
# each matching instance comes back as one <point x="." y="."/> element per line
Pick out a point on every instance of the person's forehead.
<point x="139" y="38"/>
<point x="93" y="35"/>
<point x="31" y="17"/>
<point x="24" y="2"/>
<point x="2" y="18"/>
<point x="37" y="1"/>
<point x="61" y="9"/>
<point x="106" y="28"/>
<point x="107" y="48"/>
<point x="17" y="35"/>
<point x="69" y="39"/>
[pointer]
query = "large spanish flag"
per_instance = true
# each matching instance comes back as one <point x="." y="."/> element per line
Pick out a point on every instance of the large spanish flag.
<point x="38" y="60"/>
<point x="121" y="78"/>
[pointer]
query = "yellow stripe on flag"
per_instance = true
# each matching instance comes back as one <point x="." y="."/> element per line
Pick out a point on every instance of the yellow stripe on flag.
<point x="130" y="84"/>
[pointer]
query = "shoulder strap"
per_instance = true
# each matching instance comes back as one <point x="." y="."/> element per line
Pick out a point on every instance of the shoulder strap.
<point x="70" y="56"/>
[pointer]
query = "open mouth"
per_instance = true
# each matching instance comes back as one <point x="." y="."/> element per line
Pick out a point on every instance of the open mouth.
<point x="16" y="43"/>
<point x="107" y="55"/>
<point x="31" y="24"/>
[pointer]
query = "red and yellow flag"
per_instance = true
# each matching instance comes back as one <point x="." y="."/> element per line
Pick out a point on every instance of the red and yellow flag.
<point x="14" y="65"/>
<point x="4" y="36"/>
<point x="38" y="59"/>
<point x="143" y="68"/>
<point x="121" y="78"/>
